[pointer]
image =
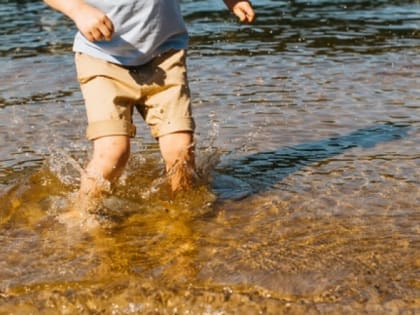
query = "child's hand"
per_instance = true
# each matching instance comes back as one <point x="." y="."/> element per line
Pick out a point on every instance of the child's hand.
<point x="242" y="9"/>
<point x="92" y="23"/>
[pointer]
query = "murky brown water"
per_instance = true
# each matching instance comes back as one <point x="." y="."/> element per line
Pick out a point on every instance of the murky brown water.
<point x="308" y="145"/>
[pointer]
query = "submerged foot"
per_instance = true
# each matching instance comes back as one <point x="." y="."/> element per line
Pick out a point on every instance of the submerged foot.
<point x="82" y="212"/>
<point x="75" y="218"/>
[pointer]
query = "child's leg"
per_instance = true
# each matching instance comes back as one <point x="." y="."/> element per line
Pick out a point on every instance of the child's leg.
<point x="109" y="92"/>
<point x="110" y="155"/>
<point x="178" y="152"/>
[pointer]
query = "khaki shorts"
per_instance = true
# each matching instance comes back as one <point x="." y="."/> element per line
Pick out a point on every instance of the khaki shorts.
<point x="158" y="90"/>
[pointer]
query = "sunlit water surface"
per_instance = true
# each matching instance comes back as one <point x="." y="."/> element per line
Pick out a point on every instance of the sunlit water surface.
<point x="308" y="150"/>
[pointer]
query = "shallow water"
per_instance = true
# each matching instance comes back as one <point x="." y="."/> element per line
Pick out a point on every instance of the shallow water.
<point x="308" y="149"/>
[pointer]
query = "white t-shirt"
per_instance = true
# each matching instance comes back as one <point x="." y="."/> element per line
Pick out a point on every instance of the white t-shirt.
<point x="143" y="30"/>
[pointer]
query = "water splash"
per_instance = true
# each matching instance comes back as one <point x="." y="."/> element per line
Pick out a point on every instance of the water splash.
<point x="65" y="167"/>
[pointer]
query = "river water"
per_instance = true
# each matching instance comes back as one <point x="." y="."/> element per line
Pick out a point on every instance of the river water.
<point x="308" y="150"/>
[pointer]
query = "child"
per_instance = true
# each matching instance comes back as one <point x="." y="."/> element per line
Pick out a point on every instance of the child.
<point x="131" y="54"/>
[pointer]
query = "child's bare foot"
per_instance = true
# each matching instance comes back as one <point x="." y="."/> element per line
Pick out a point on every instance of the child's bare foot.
<point x="182" y="174"/>
<point x="82" y="211"/>
<point x="77" y="218"/>
<point x="178" y="152"/>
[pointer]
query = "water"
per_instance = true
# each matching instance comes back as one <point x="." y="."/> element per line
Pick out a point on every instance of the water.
<point x="308" y="146"/>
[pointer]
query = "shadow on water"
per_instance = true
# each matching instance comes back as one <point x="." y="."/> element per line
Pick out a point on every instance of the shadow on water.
<point x="239" y="178"/>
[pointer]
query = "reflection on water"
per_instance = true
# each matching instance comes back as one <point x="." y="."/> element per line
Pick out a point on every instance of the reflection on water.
<point x="262" y="170"/>
<point x="308" y="149"/>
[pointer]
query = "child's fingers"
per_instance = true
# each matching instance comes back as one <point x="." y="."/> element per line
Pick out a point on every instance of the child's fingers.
<point x="106" y="30"/>
<point x="250" y="16"/>
<point x="94" y="24"/>
<point x="109" y="28"/>
<point x="240" y="14"/>
<point x="101" y="30"/>
<point x="94" y="35"/>
<point x="244" y="12"/>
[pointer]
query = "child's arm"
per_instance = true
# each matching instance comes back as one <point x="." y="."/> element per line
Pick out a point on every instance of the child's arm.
<point x="91" y="22"/>
<point x="242" y="9"/>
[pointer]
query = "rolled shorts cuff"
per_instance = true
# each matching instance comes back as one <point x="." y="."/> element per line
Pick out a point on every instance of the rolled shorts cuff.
<point x="186" y="124"/>
<point x="107" y="128"/>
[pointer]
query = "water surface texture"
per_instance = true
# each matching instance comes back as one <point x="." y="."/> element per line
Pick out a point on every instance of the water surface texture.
<point x="308" y="150"/>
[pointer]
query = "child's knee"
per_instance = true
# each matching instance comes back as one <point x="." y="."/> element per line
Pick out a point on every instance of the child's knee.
<point x="113" y="150"/>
